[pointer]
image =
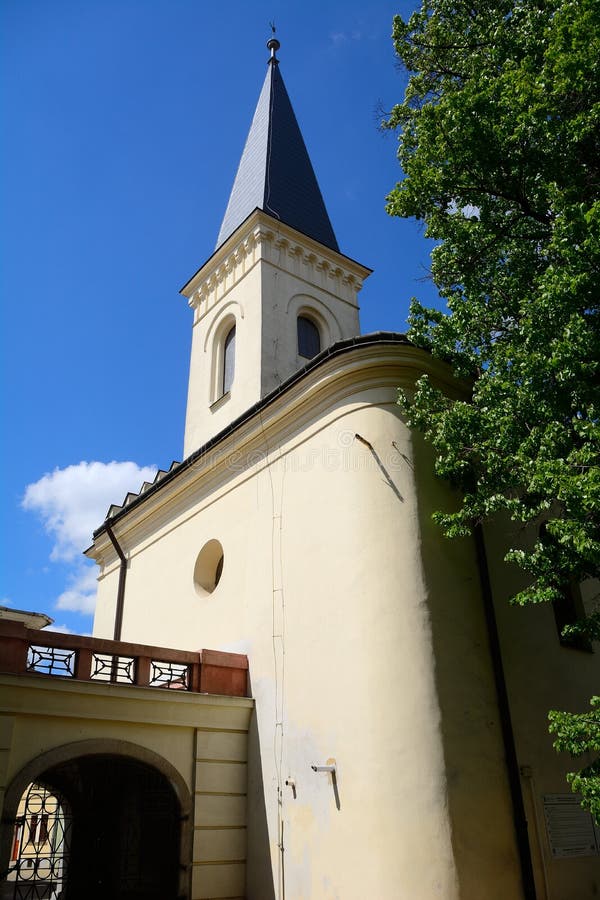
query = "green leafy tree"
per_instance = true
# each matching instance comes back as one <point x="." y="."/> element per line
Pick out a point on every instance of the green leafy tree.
<point x="499" y="141"/>
<point x="578" y="734"/>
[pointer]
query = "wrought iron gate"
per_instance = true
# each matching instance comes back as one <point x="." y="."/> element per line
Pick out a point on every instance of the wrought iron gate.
<point x="40" y="846"/>
<point x="105" y="828"/>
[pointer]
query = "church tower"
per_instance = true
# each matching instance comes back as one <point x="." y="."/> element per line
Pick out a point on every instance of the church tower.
<point x="276" y="291"/>
<point x="389" y="722"/>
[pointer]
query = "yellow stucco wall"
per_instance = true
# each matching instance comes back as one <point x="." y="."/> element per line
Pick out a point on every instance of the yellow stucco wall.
<point x="541" y="675"/>
<point x="365" y="639"/>
<point x="198" y="741"/>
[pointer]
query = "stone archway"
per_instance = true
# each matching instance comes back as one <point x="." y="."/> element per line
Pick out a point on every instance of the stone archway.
<point x="131" y="824"/>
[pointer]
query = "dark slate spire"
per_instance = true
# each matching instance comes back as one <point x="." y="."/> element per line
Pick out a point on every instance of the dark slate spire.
<point x="275" y="173"/>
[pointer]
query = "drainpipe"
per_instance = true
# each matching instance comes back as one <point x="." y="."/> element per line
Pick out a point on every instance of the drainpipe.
<point x="519" y="817"/>
<point x="121" y="586"/>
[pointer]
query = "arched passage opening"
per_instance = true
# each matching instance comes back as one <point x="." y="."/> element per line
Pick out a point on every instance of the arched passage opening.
<point x="119" y="820"/>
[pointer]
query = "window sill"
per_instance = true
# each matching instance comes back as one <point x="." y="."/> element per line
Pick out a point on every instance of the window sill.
<point x="221" y="401"/>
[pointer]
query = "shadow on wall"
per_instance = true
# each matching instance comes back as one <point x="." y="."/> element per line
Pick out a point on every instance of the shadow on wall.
<point x="259" y="874"/>
<point x="476" y="776"/>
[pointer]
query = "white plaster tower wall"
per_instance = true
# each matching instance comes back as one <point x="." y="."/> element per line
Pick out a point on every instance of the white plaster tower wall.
<point x="277" y="258"/>
<point x="261" y="280"/>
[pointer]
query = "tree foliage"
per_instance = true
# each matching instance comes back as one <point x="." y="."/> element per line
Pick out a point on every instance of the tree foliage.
<point x="578" y="734"/>
<point x="499" y="141"/>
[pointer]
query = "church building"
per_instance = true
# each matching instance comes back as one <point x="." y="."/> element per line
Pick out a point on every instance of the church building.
<point x="373" y="723"/>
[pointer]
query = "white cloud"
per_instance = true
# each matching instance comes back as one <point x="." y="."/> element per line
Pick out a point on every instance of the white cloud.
<point x="72" y="502"/>
<point x="64" y="629"/>
<point x="5" y="601"/>
<point x="343" y="37"/>
<point x="80" y="595"/>
<point x="469" y="211"/>
<point x="339" y="37"/>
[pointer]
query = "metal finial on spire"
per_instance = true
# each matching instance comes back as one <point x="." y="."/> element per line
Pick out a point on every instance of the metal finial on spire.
<point x="273" y="45"/>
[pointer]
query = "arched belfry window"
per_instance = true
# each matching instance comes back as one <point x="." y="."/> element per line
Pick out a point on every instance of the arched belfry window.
<point x="309" y="339"/>
<point x="228" y="361"/>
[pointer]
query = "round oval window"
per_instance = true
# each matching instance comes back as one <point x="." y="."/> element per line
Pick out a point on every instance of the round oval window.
<point x="209" y="567"/>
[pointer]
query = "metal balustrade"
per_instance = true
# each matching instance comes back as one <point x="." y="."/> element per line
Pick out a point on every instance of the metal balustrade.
<point x="50" y="654"/>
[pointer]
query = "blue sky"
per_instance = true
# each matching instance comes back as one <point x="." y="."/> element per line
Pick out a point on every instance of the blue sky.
<point x="122" y="125"/>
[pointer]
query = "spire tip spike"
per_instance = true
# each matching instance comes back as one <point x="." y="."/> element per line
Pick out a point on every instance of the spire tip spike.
<point x="273" y="45"/>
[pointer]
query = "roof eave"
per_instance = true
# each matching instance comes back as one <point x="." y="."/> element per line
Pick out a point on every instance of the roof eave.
<point x="255" y="216"/>
<point x="337" y="349"/>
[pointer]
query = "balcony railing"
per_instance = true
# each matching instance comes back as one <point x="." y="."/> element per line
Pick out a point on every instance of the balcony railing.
<point x="51" y="654"/>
